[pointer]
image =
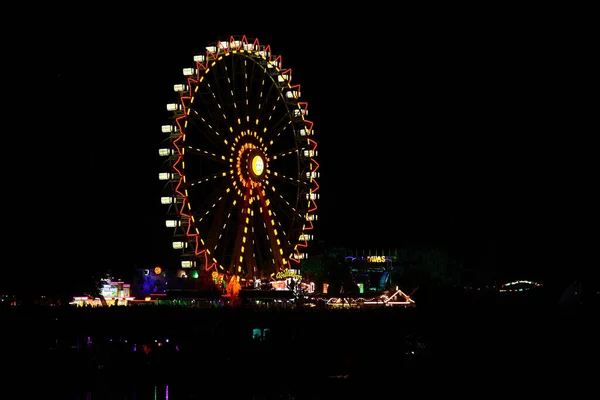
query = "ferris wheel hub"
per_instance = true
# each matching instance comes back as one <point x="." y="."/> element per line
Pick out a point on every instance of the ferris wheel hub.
<point x="258" y="165"/>
<point x="255" y="165"/>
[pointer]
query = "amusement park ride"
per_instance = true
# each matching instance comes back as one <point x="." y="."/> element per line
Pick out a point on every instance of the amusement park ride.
<point x="239" y="164"/>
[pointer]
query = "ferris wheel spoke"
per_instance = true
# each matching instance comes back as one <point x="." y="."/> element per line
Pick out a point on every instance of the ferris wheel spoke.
<point x="208" y="218"/>
<point x="240" y="83"/>
<point x="218" y="223"/>
<point x="269" y="107"/>
<point x="206" y="136"/>
<point x="295" y="224"/>
<point x="248" y="91"/>
<point x="242" y="251"/>
<point x="274" y="231"/>
<point x="251" y="90"/>
<point x="279" y="129"/>
<point x="286" y="179"/>
<point x="301" y="194"/>
<point x="239" y="92"/>
<point x="268" y="99"/>
<point x="282" y="204"/>
<point x="207" y="155"/>
<point x="257" y="95"/>
<point x="204" y="180"/>
<point x="287" y="153"/>
<point x="216" y="113"/>
<point x="210" y="133"/>
<point x="228" y="96"/>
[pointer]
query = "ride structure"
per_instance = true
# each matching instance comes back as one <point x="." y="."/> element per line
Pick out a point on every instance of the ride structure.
<point x="240" y="167"/>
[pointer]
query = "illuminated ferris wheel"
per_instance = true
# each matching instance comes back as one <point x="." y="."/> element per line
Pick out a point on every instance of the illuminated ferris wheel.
<point x="240" y="170"/>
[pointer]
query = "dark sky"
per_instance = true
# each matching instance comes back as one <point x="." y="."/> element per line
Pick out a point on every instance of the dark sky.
<point x="460" y="132"/>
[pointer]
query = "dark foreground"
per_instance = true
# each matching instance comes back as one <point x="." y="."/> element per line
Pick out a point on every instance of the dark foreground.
<point x="310" y="354"/>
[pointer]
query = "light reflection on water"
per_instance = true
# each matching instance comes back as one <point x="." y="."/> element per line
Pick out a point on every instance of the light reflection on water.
<point x="331" y="390"/>
<point x="162" y="392"/>
<point x="156" y="392"/>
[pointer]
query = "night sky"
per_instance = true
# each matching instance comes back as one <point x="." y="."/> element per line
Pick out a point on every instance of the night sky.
<point x="460" y="134"/>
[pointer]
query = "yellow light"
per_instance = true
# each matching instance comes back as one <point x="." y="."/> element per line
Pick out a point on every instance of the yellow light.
<point x="258" y="165"/>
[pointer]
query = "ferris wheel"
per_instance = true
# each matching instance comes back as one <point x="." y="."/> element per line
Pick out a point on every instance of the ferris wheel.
<point x="240" y="171"/>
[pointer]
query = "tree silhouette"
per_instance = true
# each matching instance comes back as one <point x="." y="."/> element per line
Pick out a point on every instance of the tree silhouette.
<point x="313" y="268"/>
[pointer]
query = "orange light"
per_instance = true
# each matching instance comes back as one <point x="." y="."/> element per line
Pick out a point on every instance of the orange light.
<point x="157" y="270"/>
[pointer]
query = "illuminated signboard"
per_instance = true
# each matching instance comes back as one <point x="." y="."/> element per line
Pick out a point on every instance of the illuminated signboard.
<point x="109" y="290"/>
<point x="369" y="259"/>
<point x="376" y="259"/>
<point x="286" y="273"/>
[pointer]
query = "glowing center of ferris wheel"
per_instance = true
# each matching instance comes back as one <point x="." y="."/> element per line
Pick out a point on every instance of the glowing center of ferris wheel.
<point x="258" y="165"/>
